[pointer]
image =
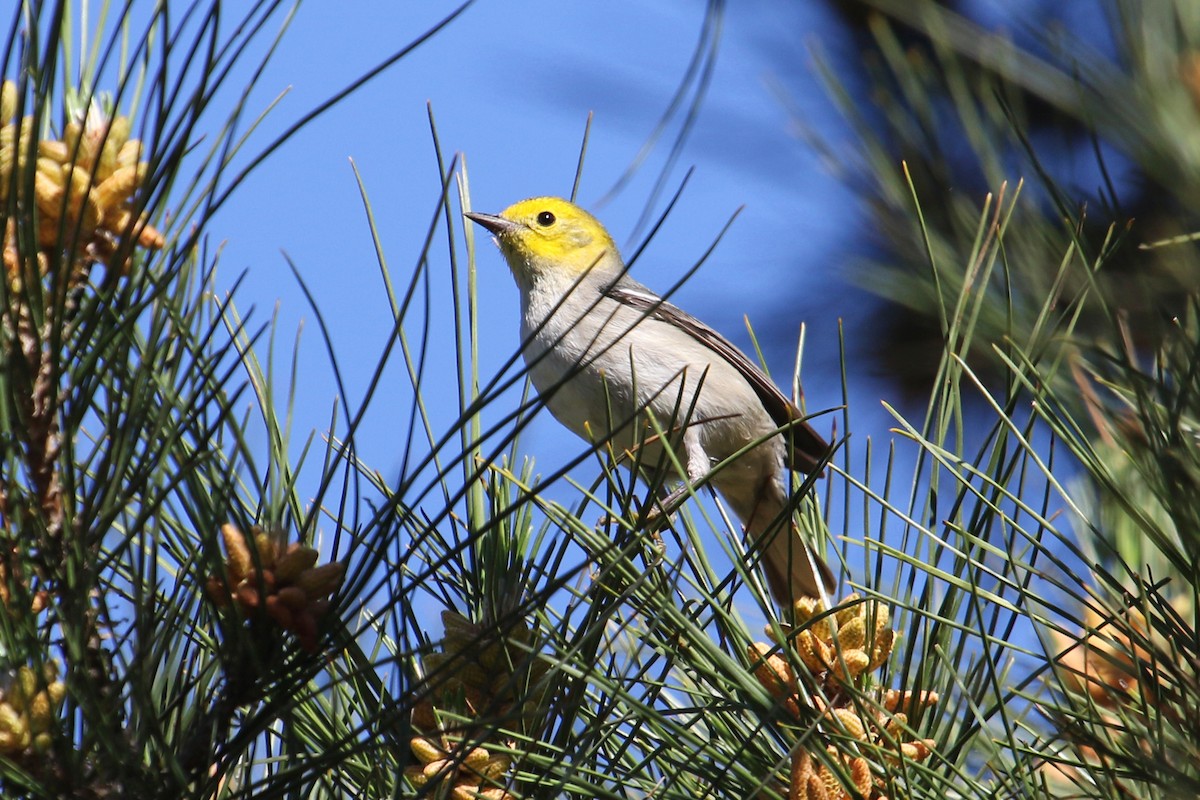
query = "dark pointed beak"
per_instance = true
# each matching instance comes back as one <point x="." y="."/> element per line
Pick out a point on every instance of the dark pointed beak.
<point x="496" y="225"/>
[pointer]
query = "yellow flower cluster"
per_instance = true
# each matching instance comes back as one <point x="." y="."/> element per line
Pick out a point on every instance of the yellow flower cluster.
<point x="853" y="640"/>
<point x="811" y="780"/>
<point x="264" y="574"/>
<point x="37" y="602"/>
<point x="480" y="675"/>
<point x="1105" y="662"/>
<point x="492" y="671"/>
<point x="1189" y="76"/>
<point x="82" y="185"/>
<point x="28" y="707"/>
<point x="838" y="649"/>
<point x="1114" y="664"/>
<point x="469" y="773"/>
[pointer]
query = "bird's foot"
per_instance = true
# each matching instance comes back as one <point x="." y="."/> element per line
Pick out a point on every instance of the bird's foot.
<point x="656" y="513"/>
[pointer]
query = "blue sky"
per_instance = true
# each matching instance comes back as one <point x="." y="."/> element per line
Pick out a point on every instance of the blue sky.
<point x="511" y="86"/>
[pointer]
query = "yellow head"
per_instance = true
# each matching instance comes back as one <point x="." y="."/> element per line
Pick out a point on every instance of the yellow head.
<point x="549" y="235"/>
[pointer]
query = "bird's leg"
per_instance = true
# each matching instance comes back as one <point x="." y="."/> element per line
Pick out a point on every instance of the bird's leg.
<point x="697" y="466"/>
<point x="656" y="510"/>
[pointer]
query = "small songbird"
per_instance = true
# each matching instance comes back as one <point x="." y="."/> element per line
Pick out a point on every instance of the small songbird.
<point x="605" y="353"/>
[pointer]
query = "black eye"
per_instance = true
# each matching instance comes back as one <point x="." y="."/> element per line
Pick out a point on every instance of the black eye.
<point x="545" y="219"/>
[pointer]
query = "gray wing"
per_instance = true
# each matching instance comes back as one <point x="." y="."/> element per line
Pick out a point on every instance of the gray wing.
<point x="807" y="447"/>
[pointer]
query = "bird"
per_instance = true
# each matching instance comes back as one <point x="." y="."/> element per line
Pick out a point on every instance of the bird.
<point x="607" y="355"/>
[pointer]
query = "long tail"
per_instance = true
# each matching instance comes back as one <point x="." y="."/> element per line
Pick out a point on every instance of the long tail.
<point x="793" y="570"/>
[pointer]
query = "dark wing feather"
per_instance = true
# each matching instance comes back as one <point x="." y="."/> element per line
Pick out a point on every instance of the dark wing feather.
<point x="807" y="448"/>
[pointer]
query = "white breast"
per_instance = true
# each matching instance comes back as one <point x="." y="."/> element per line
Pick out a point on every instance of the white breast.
<point x="590" y="365"/>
